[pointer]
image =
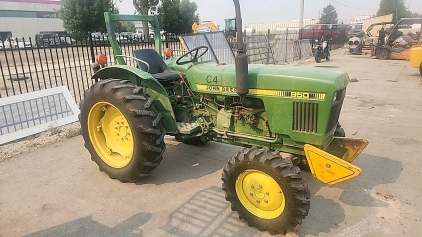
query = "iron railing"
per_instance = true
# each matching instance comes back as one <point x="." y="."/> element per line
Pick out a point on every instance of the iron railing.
<point x="59" y="61"/>
<point x="28" y="65"/>
<point x="338" y="36"/>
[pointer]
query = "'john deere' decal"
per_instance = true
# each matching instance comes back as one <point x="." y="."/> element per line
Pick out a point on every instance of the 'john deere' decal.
<point x="283" y="94"/>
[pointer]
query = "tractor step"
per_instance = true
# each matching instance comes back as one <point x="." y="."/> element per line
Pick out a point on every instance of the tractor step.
<point x="188" y="128"/>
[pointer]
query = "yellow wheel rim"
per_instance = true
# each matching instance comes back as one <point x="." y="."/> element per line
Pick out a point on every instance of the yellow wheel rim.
<point x="260" y="194"/>
<point x="110" y="134"/>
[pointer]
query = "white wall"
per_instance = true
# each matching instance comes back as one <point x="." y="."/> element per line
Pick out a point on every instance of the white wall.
<point x="28" y="27"/>
<point x="27" y="6"/>
<point x="294" y="25"/>
<point x="373" y="20"/>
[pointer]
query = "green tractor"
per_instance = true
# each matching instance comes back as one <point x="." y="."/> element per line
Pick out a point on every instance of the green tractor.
<point x="285" y="117"/>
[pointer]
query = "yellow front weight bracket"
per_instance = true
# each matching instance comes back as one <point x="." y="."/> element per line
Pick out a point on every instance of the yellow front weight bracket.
<point x="330" y="169"/>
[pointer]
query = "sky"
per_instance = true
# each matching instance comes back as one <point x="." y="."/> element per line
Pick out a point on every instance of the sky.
<point x="270" y="11"/>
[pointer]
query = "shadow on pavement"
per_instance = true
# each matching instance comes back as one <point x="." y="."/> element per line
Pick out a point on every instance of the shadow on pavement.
<point x="207" y="213"/>
<point x="375" y="171"/>
<point x="183" y="162"/>
<point x="86" y="226"/>
<point x="326" y="214"/>
<point x="328" y="66"/>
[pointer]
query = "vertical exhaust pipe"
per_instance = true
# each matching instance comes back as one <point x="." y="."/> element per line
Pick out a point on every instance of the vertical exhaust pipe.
<point x="241" y="59"/>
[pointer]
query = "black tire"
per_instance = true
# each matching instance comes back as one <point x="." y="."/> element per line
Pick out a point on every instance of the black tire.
<point x="143" y="131"/>
<point x="281" y="172"/>
<point x="420" y="69"/>
<point x="317" y="57"/>
<point x="328" y="56"/>
<point x="383" y="54"/>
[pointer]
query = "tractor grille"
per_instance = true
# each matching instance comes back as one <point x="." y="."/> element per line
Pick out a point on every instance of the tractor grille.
<point x="335" y="110"/>
<point x="305" y="117"/>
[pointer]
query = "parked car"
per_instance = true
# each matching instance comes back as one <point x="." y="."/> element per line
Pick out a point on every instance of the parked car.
<point x="9" y="43"/>
<point x="337" y="32"/>
<point x="67" y="40"/>
<point x="23" y="43"/>
<point x="98" y="37"/>
<point x="46" y="40"/>
<point x="129" y="37"/>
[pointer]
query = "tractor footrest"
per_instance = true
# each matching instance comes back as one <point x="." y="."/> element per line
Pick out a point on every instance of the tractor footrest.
<point x="188" y="128"/>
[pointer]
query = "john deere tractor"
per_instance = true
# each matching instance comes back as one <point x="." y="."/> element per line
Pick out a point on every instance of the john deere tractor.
<point x="284" y="117"/>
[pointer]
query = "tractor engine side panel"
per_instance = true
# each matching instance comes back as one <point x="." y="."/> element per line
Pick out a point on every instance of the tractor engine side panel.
<point x="303" y="104"/>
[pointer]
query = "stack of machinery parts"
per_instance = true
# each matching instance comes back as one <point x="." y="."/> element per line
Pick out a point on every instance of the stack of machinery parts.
<point x="396" y="42"/>
<point x="356" y="41"/>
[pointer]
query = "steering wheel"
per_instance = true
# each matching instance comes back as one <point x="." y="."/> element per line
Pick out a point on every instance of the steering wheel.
<point x="195" y="57"/>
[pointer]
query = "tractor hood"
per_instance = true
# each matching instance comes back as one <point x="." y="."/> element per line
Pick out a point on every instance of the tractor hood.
<point x="267" y="78"/>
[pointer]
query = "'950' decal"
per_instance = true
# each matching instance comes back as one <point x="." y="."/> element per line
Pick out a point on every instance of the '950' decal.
<point x="284" y="94"/>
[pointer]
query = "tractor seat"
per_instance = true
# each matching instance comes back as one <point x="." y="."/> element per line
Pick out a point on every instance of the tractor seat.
<point x="157" y="67"/>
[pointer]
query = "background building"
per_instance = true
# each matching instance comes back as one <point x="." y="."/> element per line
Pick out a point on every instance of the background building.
<point x="273" y="27"/>
<point x="354" y="20"/>
<point x="25" y="18"/>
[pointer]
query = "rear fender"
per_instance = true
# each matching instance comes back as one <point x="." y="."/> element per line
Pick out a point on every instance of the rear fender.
<point x="151" y="87"/>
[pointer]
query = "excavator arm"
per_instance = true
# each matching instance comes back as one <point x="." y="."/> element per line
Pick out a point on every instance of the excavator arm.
<point x="205" y="26"/>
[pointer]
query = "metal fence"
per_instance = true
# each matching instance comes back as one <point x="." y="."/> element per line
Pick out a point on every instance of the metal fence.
<point x="63" y="61"/>
<point x="338" y="36"/>
<point x="285" y="46"/>
<point x="281" y="47"/>
<point x="259" y="49"/>
<point x="26" y="68"/>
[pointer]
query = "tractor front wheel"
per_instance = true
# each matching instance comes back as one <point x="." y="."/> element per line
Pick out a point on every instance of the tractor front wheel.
<point x="266" y="190"/>
<point x="122" y="129"/>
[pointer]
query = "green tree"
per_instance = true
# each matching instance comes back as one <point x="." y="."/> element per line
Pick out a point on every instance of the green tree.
<point x="144" y="7"/>
<point x="123" y="26"/>
<point x="177" y="16"/>
<point x="128" y="26"/>
<point x="187" y="13"/>
<point x="81" y="16"/>
<point x="395" y="7"/>
<point x="329" y="15"/>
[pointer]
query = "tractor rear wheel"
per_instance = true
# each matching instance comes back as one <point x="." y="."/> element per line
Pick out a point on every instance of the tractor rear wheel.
<point x="122" y="129"/>
<point x="266" y="190"/>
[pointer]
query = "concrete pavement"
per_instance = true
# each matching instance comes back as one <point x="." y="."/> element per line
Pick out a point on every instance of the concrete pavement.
<point x="58" y="191"/>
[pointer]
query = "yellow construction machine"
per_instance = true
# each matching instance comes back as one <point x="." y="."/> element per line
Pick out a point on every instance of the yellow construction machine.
<point x="204" y="26"/>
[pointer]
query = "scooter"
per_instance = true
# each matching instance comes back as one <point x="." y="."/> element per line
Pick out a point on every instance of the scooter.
<point x="322" y="50"/>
